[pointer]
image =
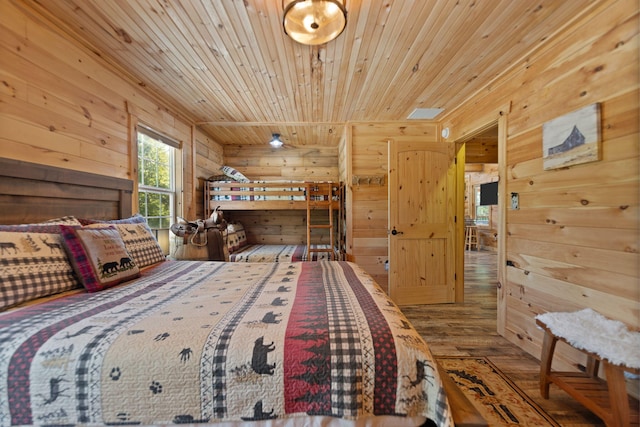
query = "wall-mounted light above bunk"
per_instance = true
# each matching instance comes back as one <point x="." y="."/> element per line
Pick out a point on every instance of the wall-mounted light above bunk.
<point x="276" y="142"/>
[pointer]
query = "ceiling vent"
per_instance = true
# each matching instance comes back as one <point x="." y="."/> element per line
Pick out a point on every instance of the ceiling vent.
<point x="425" y="113"/>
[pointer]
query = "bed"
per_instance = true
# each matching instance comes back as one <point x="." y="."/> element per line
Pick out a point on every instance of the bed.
<point x="267" y="195"/>
<point x="234" y="192"/>
<point x="241" y="251"/>
<point x="185" y="342"/>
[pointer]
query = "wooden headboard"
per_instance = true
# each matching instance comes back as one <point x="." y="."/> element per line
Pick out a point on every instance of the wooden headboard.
<point x="31" y="192"/>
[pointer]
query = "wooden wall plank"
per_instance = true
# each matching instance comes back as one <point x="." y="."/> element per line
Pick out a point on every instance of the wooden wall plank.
<point x="573" y="243"/>
<point x="368" y="242"/>
<point x="64" y="105"/>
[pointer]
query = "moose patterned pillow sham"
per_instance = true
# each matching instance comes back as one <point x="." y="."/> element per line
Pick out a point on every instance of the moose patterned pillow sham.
<point x="204" y="342"/>
<point x="98" y="256"/>
<point x="33" y="263"/>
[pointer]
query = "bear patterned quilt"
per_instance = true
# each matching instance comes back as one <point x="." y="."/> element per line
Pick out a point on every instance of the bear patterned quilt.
<point x="278" y="253"/>
<point x="201" y="342"/>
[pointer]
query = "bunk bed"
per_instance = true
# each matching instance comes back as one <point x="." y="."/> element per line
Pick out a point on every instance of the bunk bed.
<point x="241" y="251"/>
<point x="230" y="195"/>
<point x="185" y="342"/>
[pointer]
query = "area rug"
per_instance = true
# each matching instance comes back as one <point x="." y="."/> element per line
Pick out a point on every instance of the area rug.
<point x="499" y="400"/>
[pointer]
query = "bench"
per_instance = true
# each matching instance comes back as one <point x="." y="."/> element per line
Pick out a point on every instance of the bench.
<point x="603" y="341"/>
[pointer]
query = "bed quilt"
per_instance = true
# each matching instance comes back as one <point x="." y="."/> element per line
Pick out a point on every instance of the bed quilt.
<point x="278" y="253"/>
<point x="200" y="342"/>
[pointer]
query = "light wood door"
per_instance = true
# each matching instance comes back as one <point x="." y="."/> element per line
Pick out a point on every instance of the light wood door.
<point x="422" y="178"/>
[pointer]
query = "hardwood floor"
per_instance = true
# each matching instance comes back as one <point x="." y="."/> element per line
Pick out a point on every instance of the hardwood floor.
<point x="469" y="329"/>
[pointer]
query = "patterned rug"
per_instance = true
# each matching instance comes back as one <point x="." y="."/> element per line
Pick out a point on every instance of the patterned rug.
<point x="499" y="400"/>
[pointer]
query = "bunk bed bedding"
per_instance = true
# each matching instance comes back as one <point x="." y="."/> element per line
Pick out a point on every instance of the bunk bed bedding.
<point x="267" y="195"/>
<point x="241" y="251"/>
<point x="194" y="341"/>
<point x="230" y="190"/>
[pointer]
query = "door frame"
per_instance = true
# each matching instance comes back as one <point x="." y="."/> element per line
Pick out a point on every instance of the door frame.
<point x="501" y="123"/>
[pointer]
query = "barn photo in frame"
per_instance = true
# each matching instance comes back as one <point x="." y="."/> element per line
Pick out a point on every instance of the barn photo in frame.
<point x="572" y="139"/>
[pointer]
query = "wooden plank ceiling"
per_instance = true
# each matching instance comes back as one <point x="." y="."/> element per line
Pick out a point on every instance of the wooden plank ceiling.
<point x="229" y="65"/>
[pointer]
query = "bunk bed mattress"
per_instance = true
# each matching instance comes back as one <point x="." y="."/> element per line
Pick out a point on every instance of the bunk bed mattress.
<point x="201" y="342"/>
<point x="279" y="253"/>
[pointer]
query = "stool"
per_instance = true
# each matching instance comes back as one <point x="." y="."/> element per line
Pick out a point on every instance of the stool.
<point x="471" y="237"/>
<point x="607" y="399"/>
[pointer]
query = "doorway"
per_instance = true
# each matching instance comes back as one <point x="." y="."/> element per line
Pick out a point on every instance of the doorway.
<point x="484" y="154"/>
<point x="481" y="200"/>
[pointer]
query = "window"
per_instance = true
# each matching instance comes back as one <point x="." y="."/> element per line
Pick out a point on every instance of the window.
<point x="482" y="212"/>
<point x="156" y="178"/>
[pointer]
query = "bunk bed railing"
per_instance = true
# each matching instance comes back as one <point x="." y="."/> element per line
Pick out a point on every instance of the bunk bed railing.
<point x="257" y="195"/>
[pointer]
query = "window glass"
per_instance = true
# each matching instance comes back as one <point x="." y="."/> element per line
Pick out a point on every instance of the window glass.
<point x="156" y="180"/>
<point x="482" y="212"/>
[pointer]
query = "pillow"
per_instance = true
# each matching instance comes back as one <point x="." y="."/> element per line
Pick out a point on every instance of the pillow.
<point x="137" y="236"/>
<point x="242" y="236"/>
<point x="232" y="241"/>
<point x="98" y="256"/>
<point x="33" y="263"/>
<point x="135" y="219"/>
<point x="234" y="174"/>
<point x="68" y="220"/>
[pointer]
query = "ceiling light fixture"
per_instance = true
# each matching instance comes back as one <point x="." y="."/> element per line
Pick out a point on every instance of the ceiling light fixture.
<point x="314" y="22"/>
<point x="276" y="142"/>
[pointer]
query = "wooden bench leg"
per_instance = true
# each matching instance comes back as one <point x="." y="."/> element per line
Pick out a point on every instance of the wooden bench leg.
<point x="548" y="347"/>
<point x="593" y="365"/>
<point x="620" y="414"/>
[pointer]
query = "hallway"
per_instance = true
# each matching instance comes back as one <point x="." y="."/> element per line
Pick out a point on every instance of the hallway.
<point x="469" y="329"/>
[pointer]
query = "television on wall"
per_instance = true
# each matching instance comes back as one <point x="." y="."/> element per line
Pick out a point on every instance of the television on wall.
<point x="489" y="194"/>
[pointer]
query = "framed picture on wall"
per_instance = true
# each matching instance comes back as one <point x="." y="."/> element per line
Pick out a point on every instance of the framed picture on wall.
<point x="572" y="139"/>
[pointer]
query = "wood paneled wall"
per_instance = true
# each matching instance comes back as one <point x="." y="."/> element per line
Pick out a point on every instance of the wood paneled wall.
<point x="574" y="241"/>
<point x="310" y="163"/>
<point x="367" y="238"/>
<point x="63" y="105"/>
<point x="209" y="159"/>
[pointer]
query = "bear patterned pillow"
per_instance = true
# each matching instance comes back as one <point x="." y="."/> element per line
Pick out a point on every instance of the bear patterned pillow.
<point x="33" y="264"/>
<point x="138" y="238"/>
<point x="98" y="256"/>
<point x="234" y="174"/>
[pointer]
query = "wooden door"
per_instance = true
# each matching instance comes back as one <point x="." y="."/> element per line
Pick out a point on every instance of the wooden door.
<point x="422" y="204"/>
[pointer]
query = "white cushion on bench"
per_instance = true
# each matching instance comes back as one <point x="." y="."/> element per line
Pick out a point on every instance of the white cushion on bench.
<point x="591" y="331"/>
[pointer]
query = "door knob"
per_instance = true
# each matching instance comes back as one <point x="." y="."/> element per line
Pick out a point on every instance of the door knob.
<point x="394" y="231"/>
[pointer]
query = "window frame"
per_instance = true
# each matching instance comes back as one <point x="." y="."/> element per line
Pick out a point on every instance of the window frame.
<point x="176" y="179"/>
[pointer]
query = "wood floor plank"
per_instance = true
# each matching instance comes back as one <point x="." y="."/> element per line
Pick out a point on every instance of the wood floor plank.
<point x="469" y="329"/>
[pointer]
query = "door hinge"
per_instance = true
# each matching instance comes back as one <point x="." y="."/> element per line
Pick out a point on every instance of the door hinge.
<point x="455" y="276"/>
<point x="455" y="160"/>
<point x="455" y="218"/>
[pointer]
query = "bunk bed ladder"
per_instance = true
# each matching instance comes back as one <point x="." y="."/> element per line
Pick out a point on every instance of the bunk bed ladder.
<point x="320" y="196"/>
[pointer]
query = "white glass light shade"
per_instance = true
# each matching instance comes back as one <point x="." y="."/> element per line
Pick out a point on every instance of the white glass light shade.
<point x="276" y="142"/>
<point x="314" y="22"/>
